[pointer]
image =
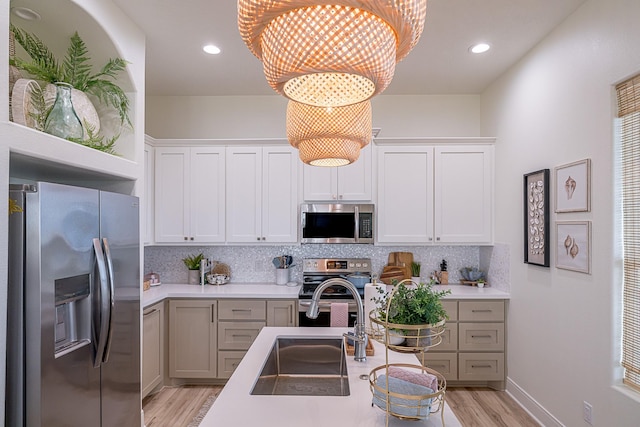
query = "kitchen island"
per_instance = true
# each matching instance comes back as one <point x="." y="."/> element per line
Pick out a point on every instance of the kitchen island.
<point x="236" y="406"/>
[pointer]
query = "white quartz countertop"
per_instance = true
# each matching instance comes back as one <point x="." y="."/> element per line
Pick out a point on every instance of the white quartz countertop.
<point x="471" y="292"/>
<point x="235" y="406"/>
<point x="272" y="291"/>
<point x="230" y="290"/>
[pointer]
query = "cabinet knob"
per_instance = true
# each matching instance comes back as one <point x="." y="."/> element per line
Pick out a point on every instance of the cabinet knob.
<point x="186" y="238"/>
<point x="264" y="238"/>
<point x="430" y="239"/>
<point x="340" y="197"/>
<point x="438" y="239"/>
<point x="258" y="238"/>
<point x="191" y="238"/>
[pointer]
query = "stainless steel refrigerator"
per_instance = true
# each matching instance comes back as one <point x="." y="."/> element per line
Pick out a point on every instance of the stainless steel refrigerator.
<point x="73" y="350"/>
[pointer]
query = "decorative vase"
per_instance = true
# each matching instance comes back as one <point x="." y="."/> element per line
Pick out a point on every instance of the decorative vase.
<point x="194" y="277"/>
<point x="63" y="121"/>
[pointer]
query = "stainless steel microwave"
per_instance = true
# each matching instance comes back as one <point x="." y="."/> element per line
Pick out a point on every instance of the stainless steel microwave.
<point x="336" y="223"/>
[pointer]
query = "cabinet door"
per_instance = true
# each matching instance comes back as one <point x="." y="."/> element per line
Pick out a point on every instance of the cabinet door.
<point x="282" y="313"/>
<point x="244" y="194"/>
<point x="345" y="183"/>
<point x="320" y="184"/>
<point x="149" y="196"/>
<point x="464" y="194"/>
<point x="152" y="348"/>
<point x="279" y="194"/>
<point x="354" y="180"/>
<point x="207" y="187"/>
<point x="172" y="201"/>
<point x="192" y="339"/>
<point x="405" y="198"/>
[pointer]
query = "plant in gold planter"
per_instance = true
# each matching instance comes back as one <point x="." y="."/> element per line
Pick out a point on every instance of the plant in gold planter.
<point x="417" y="306"/>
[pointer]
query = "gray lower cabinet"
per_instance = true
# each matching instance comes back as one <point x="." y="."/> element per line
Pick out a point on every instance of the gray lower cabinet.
<point x="208" y="338"/>
<point x="193" y="347"/>
<point x="282" y="313"/>
<point x="472" y="351"/>
<point x="152" y="347"/>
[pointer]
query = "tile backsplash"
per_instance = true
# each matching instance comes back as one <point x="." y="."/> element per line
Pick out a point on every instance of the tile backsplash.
<point x="251" y="264"/>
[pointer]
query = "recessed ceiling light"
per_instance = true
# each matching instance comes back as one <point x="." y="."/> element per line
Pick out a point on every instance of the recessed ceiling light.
<point x="479" y="48"/>
<point x="25" y="13"/>
<point x="211" y="49"/>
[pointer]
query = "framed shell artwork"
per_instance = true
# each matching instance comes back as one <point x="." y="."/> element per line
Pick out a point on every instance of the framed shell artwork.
<point x="573" y="187"/>
<point x="536" y="218"/>
<point x="573" y="246"/>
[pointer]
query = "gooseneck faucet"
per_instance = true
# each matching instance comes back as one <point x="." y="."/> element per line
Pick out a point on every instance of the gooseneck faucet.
<point x="359" y="336"/>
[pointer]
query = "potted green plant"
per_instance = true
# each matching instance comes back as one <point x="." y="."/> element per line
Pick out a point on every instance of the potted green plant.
<point x="415" y="271"/>
<point x="415" y="310"/>
<point x="192" y="262"/>
<point x="443" y="277"/>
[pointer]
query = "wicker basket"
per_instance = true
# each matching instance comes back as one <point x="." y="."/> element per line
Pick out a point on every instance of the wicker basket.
<point x="417" y="338"/>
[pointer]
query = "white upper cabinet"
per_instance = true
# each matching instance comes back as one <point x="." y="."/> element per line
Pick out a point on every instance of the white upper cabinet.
<point x="147" y="205"/>
<point x="262" y="194"/>
<point x="345" y="183"/>
<point x="463" y="194"/>
<point x="405" y="195"/>
<point x="189" y="194"/>
<point x="441" y="194"/>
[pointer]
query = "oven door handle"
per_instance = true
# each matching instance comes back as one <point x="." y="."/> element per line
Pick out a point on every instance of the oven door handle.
<point x="326" y="305"/>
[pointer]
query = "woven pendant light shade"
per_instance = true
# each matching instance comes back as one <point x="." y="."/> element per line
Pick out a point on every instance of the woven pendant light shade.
<point x="330" y="52"/>
<point x="329" y="136"/>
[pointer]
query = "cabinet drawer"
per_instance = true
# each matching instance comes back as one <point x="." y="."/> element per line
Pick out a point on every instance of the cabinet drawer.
<point x="481" y="366"/>
<point x="228" y="361"/>
<point x="451" y="307"/>
<point x="445" y="363"/>
<point x="481" y="336"/>
<point x="481" y="311"/>
<point x="449" y="338"/>
<point x="241" y="310"/>
<point x="238" y="335"/>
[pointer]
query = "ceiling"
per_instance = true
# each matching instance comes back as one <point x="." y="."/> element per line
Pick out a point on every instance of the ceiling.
<point x="176" y="30"/>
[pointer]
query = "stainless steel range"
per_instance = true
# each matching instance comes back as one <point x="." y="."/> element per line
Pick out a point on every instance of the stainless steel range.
<point x="317" y="270"/>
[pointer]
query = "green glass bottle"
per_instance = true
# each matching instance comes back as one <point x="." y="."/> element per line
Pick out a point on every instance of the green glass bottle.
<point x="63" y="121"/>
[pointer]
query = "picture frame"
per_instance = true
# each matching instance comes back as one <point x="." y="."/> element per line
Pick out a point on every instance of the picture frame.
<point x="536" y="218"/>
<point x="573" y="187"/>
<point x="573" y="246"/>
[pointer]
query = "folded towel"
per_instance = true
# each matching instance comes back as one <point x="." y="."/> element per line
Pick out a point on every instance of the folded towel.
<point x="339" y="314"/>
<point x="413" y="407"/>
<point x="421" y="378"/>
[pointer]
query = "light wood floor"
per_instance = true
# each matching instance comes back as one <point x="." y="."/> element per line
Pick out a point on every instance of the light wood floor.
<point x="176" y="406"/>
<point x="473" y="406"/>
<point x="484" y="407"/>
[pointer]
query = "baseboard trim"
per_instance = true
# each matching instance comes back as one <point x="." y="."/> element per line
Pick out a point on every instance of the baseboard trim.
<point x="529" y="404"/>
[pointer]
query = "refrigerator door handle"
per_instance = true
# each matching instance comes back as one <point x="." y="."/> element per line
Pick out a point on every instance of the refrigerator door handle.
<point x="111" y="300"/>
<point x="103" y="305"/>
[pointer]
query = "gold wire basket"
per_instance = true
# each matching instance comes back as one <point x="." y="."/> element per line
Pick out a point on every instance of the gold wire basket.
<point x="404" y="338"/>
<point x="391" y="399"/>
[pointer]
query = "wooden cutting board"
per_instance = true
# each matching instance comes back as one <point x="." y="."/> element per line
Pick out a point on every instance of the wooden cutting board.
<point x="402" y="260"/>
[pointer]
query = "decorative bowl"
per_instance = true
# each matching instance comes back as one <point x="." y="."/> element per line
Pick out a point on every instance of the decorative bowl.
<point x="217" y="279"/>
<point x="471" y="274"/>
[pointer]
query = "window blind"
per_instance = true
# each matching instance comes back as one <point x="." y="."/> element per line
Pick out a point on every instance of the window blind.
<point x="628" y="94"/>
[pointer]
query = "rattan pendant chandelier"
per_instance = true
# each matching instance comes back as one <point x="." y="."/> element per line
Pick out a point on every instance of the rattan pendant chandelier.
<point x="329" y="136"/>
<point x="330" y="53"/>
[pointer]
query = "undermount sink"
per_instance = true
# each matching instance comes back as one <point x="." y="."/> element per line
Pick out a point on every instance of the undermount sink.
<point x="304" y="367"/>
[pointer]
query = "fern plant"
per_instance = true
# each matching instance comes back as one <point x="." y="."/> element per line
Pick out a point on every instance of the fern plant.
<point x="75" y="69"/>
<point x="96" y="141"/>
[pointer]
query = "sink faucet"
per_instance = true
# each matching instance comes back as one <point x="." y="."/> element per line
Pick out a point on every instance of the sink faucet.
<point x="359" y="336"/>
<point x="205" y="267"/>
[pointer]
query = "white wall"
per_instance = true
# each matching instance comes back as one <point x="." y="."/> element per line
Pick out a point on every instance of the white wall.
<point x="555" y="107"/>
<point x="222" y="117"/>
